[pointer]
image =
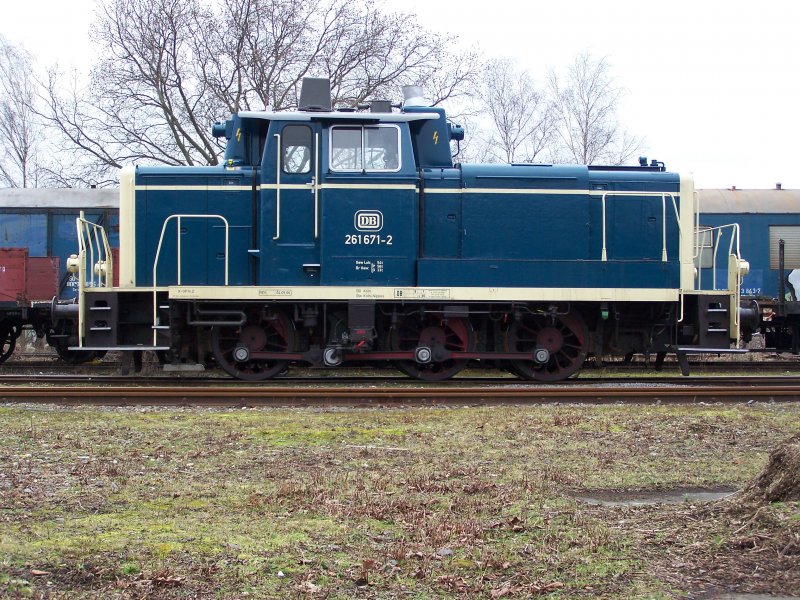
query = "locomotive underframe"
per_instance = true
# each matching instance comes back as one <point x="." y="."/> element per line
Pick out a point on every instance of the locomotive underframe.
<point x="428" y="339"/>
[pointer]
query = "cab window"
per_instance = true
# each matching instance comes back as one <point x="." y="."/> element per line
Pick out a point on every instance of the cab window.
<point x="373" y="148"/>
<point x="296" y="149"/>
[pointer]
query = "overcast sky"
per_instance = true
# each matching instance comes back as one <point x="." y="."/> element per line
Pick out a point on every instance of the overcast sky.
<point x="712" y="85"/>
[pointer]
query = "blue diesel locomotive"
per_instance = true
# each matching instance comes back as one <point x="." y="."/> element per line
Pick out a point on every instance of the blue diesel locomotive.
<point x="331" y="236"/>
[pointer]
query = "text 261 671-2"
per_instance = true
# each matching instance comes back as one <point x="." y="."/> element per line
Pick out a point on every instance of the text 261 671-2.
<point x="367" y="239"/>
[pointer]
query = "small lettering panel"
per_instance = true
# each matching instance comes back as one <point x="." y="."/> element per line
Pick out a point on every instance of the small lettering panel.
<point x="422" y="294"/>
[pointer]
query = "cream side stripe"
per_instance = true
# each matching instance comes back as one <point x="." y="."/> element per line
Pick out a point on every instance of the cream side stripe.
<point x="273" y="186"/>
<point x="539" y="192"/>
<point x="356" y="186"/>
<point x="195" y="188"/>
<point x="387" y="186"/>
<point x="399" y="294"/>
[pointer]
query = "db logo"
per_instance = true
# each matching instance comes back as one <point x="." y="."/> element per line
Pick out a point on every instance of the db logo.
<point x="369" y="220"/>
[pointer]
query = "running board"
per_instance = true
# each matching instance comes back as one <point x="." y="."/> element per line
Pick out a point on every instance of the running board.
<point x="120" y="348"/>
<point x="696" y="350"/>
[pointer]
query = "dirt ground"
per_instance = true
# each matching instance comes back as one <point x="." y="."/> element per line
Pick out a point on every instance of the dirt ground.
<point x="439" y="502"/>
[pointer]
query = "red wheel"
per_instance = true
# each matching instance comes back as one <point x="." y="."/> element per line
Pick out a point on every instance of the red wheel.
<point x="453" y="334"/>
<point x="271" y="333"/>
<point x="565" y="337"/>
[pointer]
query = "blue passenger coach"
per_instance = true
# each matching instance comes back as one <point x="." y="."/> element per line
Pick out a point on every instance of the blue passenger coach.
<point x="329" y="236"/>
<point x="769" y="221"/>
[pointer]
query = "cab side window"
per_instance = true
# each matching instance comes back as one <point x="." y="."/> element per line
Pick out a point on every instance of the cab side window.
<point x="381" y="145"/>
<point x="369" y="148"/>
<point x="346" y="149"/>
<point x="296" y="149"/>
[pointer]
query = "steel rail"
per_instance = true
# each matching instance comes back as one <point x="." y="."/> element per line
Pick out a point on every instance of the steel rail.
<point x="267" y="395"/>
<point x="192" y="380"/>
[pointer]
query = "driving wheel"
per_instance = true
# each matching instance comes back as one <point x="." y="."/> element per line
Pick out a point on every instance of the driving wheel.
<point x="439" y="336"/>
<point x="565" y="337"/>
<point x="234" y="345"/>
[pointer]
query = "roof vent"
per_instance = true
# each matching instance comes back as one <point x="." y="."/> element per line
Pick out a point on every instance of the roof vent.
<point x="778" y="186"/>
<point x="315" y="95"/>
<point x="414" y="96"/>
<point x="380" y="106"/>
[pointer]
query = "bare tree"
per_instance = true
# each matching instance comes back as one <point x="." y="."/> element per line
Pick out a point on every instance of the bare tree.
<point x="586" y="102"/>
<point x="169" y="68"/>
<point x="521" y="114"/>
<point x="19" y="126"/>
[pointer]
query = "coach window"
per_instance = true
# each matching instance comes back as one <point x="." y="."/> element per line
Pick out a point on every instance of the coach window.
<point x="296" y="148"/>
<point x="369" y="149"/>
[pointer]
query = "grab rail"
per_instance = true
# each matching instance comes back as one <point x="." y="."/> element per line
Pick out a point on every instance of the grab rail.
<point x="158" y="255"/>
<point x="277" y="235"/>
<point x="716" y="235"/>
<point x="734" y="260"/>
<point x="92" y="239"/>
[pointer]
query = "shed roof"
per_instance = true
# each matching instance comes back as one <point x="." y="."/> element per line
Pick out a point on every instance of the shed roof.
<point x="74" y="198"/>
<point x="749" y="201"/>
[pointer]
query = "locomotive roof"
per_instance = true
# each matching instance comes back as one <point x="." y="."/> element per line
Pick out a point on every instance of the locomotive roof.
<point x="770" y="201"/>
<point x="74" y="198"/>
<point x="389" y="117"/>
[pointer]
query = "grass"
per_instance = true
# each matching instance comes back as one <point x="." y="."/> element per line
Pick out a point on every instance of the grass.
<point x="423" y="503"/>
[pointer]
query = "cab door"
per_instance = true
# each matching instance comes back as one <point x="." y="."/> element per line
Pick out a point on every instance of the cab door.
<point x="289" y="210"/>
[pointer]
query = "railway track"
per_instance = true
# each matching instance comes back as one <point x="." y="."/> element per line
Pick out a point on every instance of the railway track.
<point x="389" y="379"/>
<point x="27" y="363"/>
<point x="278" y="394"/>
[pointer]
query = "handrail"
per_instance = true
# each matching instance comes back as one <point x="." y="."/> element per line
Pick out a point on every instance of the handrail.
<point x="696" y="198"/>
<point x="734" y="241"/>
<point x="278" y="189"/>
<point x="92" y="238"/>
<point x="315" y="184"/>
<point x="95" y="240"/>
<point x="158" y="255"/>
<point x="734" y="269"/>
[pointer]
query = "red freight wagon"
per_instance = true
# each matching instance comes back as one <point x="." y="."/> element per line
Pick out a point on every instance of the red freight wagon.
<point x="27" y="286"/>
<point x="25" y="279"/>
<point x="42" y="278"/>
<point x="13" y="276"/>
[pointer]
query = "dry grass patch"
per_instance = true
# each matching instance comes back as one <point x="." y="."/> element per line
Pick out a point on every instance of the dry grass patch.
<point x="339" y="503"/>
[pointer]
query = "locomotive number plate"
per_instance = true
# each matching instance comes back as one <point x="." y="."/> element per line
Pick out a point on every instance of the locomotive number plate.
<point x="367" y="239"/>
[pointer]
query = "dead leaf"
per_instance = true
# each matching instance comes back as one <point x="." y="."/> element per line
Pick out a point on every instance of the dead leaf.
<point x="556" y="585"/>
<point x="166" y="581"/>
<point x="501" y="592"/>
